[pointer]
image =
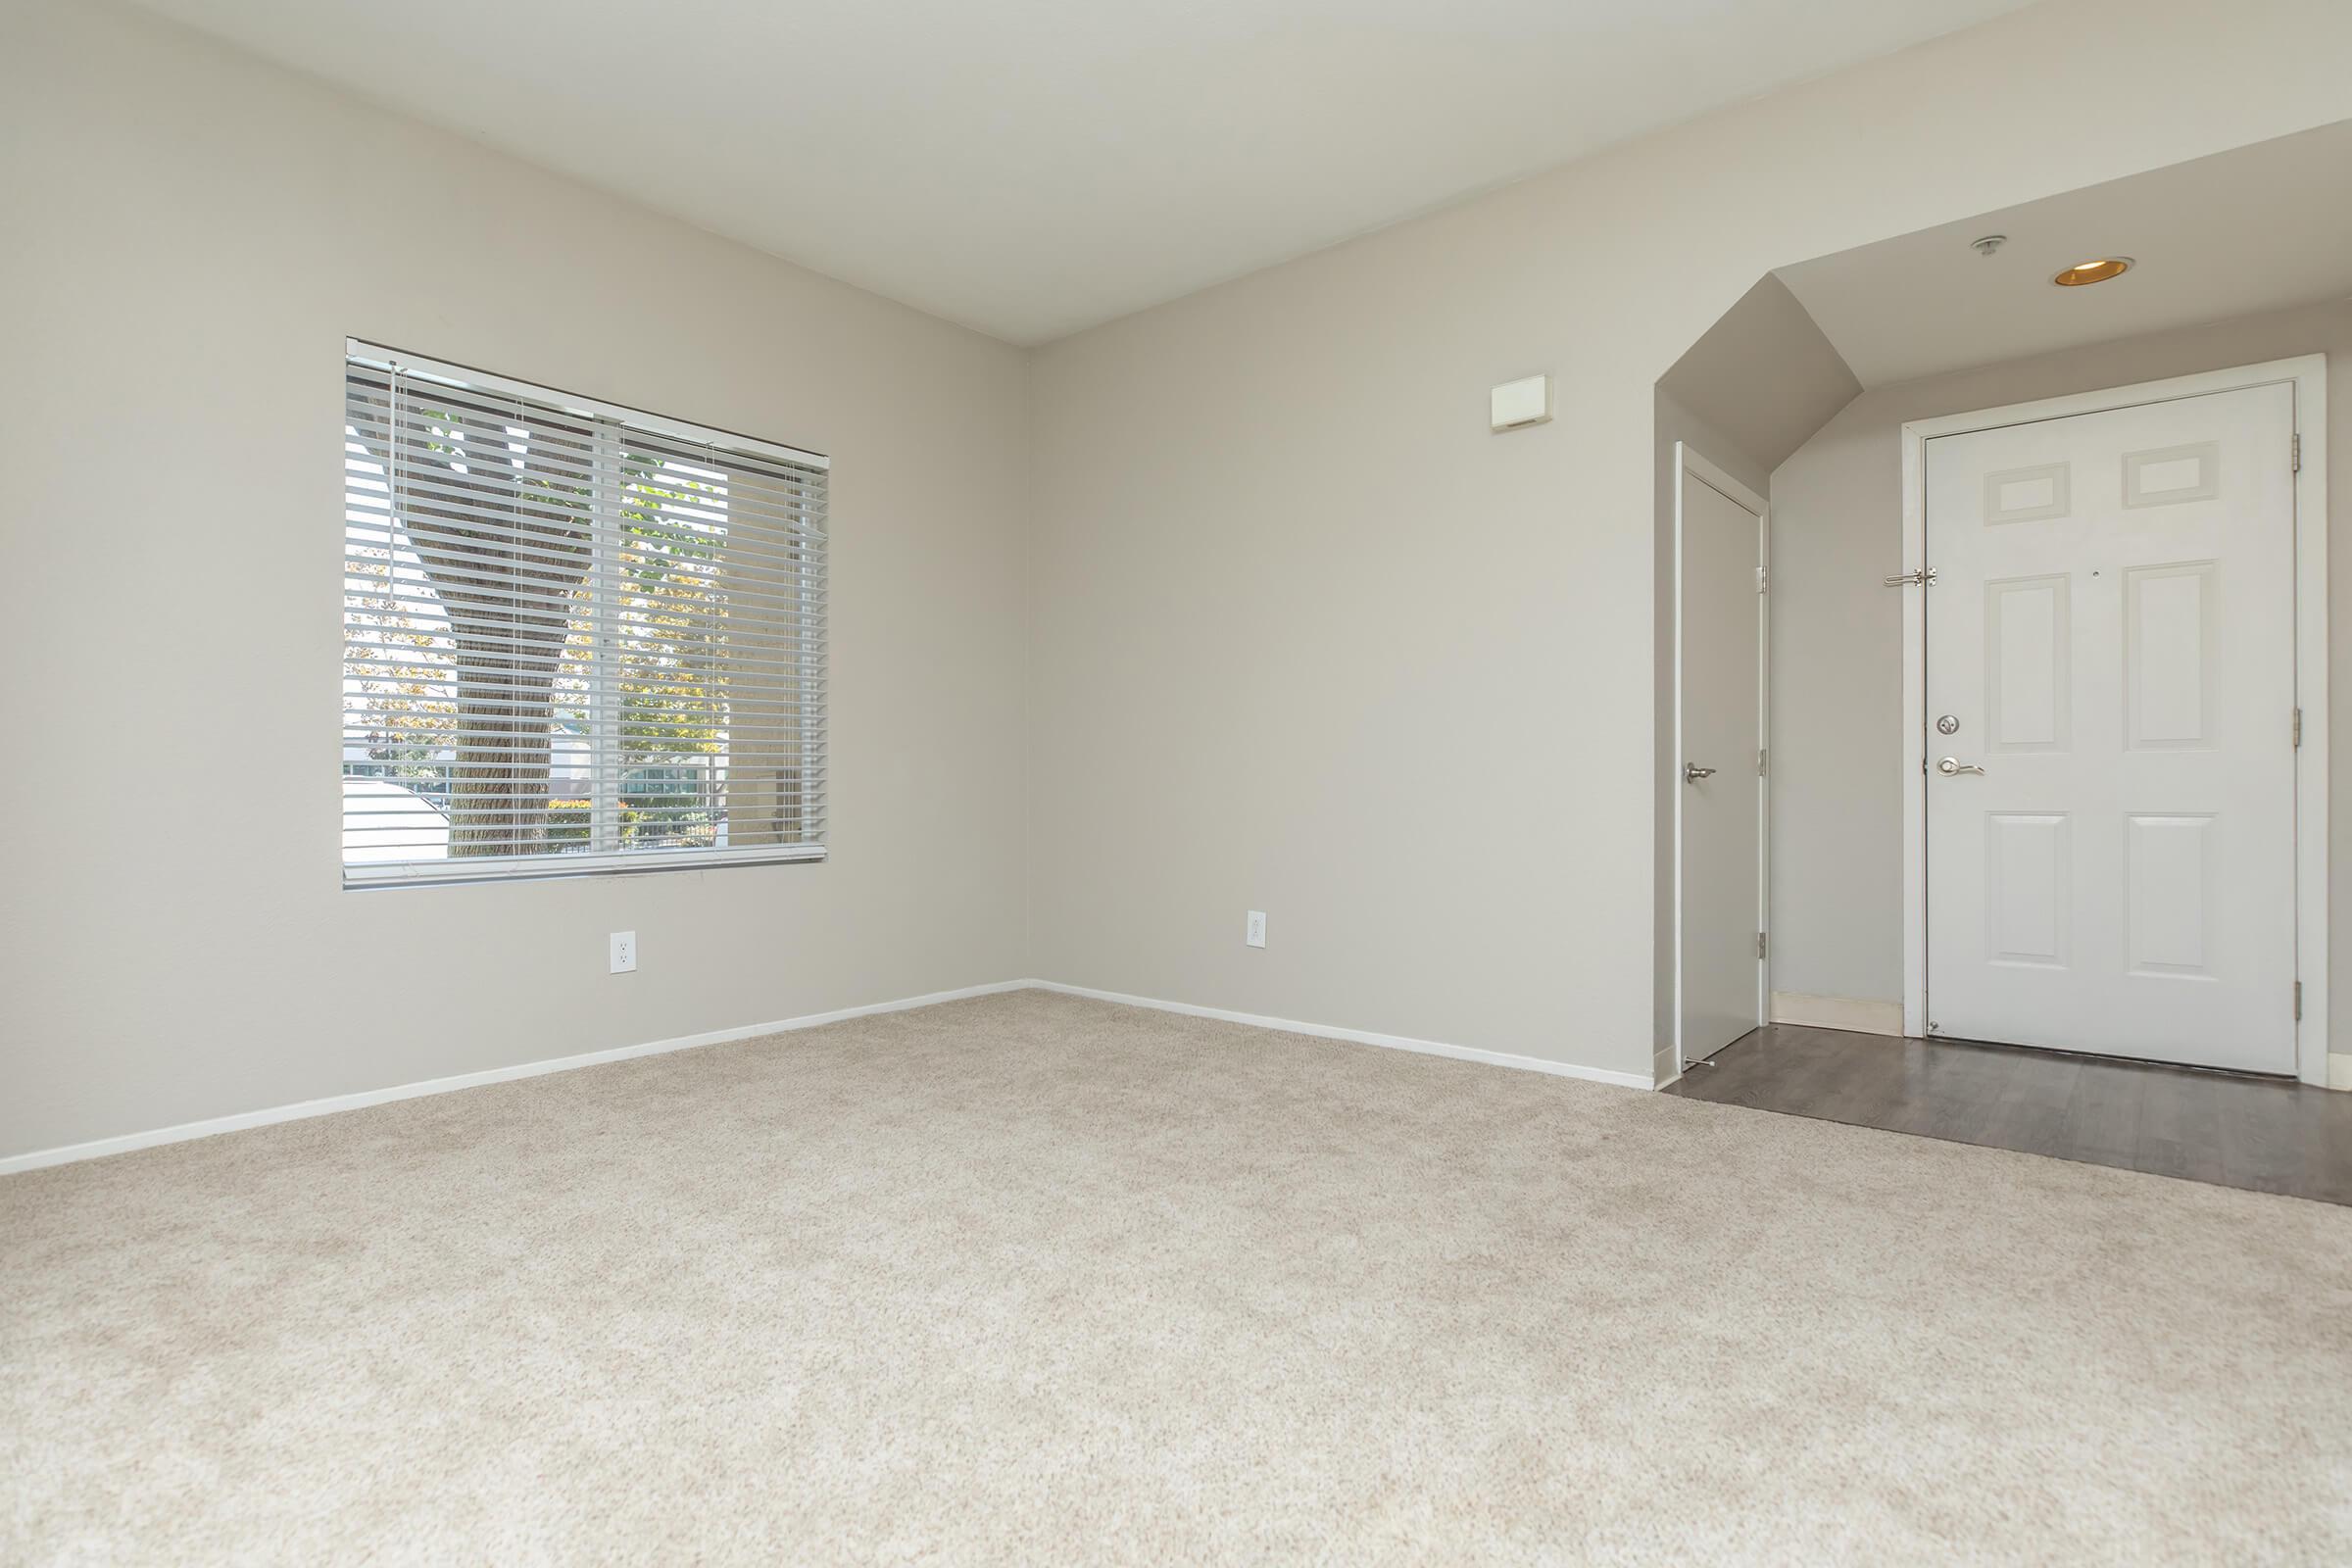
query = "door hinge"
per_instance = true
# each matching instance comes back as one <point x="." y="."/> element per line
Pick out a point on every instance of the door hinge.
<point x="1760" y="754"/>
<point x="2298" y="729"/>
<point x="2297" y="448"/>
<point x="1763" y="579"/>
<point x="1760" y="944"/>
<point x="2298" y="1002"/>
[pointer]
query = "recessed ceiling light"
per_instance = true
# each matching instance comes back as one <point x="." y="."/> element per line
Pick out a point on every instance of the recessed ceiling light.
<point x="2098" y="271"/>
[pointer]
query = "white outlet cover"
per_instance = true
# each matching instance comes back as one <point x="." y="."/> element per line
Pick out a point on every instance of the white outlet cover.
<point x="1254" y="932"/>
<point x="624" y="953"/>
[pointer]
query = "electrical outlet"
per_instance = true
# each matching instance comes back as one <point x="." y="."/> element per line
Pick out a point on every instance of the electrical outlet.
<point x="624" y="953"/>
<point x="1255" y="934"/>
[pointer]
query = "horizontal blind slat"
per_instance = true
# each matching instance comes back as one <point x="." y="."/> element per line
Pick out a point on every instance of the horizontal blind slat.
<point x="450" y="562"/>
<point x="511" y="439"/>
<point x="520" y="468"/>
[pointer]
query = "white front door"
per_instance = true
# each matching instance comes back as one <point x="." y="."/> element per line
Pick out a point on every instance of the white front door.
<point x="1718" y="841"/>
<point x="2110" y="709"/>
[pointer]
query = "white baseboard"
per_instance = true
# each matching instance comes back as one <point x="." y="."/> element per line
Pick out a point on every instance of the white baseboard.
<point x="2339" y="1070"/>
<point x="1788" y="1006"/>
<point x="99" y="1148"/>
<point x="1837" y="1012"/>
<point x="1362" y="1037"/>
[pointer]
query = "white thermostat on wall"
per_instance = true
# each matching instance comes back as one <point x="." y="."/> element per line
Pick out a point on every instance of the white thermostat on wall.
<point x="1527" y="401"/>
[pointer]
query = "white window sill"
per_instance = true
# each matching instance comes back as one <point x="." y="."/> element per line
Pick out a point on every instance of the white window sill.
<point x="544" y="867"/>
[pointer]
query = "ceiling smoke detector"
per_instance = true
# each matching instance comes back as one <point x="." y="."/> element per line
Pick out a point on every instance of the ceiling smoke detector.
<point x="1988" y="244"/>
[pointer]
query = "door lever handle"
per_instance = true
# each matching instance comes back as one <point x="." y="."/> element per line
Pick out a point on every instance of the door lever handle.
<point x="1692" y="772"/>
<point x="1952" y="767"/>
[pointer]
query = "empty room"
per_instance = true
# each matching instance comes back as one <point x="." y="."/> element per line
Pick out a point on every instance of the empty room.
<point x="1351" y="782"/>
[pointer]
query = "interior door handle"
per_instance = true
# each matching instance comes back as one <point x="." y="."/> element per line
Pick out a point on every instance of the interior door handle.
<point x="1692" y="772"/>
<point x="1952" y="767"/>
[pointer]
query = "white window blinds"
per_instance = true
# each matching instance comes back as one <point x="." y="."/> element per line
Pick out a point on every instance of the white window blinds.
<point x="576" y="638"/>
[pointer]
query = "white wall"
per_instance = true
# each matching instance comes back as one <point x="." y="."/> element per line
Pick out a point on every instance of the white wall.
<point x="1838" y="639"/>
<point x="1764" y="376"/>
<point x="1300" y="633"/>
<point x="1307" y="638"/>
<point x="189" y="237"/>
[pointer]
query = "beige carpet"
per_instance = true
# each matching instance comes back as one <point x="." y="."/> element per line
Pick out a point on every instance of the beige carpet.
<point x="1031" y="1279"/>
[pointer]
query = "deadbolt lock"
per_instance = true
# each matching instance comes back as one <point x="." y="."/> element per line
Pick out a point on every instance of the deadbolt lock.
<point x="1948" y="726"/>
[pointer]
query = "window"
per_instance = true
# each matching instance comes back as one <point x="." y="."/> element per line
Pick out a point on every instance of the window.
<point x="576" y="638"/>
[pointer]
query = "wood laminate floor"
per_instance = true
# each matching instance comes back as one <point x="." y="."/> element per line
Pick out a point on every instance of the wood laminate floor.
<point x="2266" y="1135"/>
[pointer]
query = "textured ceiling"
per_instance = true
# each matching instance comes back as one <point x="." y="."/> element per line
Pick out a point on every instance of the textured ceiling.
<point x="1034" y="167"/>
<point x="2259" y="228"/>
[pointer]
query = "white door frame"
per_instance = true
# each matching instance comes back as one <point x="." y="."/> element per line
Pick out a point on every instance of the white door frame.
<point x="2308" y="375"/>
<point x="1688" y="465"/>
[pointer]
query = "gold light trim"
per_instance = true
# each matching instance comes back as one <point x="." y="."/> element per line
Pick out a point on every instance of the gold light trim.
<point x="2098" y="271"/>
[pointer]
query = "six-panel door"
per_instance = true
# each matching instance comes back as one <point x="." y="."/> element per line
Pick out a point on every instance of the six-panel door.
<point x="2111" y="640"/>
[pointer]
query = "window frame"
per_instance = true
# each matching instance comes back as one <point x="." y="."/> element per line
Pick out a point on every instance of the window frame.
<point x="549" y="866"/>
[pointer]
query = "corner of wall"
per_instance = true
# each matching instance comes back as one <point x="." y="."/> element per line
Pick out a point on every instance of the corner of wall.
<point x="1027" y="610"/>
